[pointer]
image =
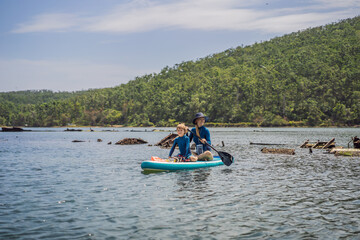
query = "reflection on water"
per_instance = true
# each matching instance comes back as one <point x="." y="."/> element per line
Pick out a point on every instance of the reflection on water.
<point x="194" y="184"/>
<point x="52" y="188"/>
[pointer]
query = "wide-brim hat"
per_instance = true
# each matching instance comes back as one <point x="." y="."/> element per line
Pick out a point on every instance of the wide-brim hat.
<point x="200" y="115"/>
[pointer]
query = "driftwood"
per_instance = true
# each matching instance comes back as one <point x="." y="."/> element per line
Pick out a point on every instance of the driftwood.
<point x="77" y="141"/>
<point x="278" y="150"/>
<point x="352" y="152"/>
<point x="131" y="141"/>
<point x="319" y="144"/>
<point x="304" y="144"/>
<point x="252" y="143"/>
<point x="167" y="141"/>
<point x="328" y="144"/>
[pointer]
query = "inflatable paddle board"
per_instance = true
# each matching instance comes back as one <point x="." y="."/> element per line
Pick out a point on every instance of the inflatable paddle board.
<point x="159" y="164"/>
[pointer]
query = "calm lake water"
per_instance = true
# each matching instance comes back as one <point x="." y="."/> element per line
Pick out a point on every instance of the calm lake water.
<point x="51" y="188"/>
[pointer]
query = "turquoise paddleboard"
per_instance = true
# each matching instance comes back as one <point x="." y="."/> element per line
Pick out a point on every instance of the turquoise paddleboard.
<point x="158" y="164"/>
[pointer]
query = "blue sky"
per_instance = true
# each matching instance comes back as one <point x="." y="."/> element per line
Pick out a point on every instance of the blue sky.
<point x="69" y="45"/>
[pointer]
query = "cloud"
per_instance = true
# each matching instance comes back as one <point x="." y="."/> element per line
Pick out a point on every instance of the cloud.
<point x="49" y="22"/>
<point x="294" y="22"/>
<point x="23" y="74"/>
<point x="204" y="15"/>
<point x="200" y="15"/>
<point x="338" y="4"/>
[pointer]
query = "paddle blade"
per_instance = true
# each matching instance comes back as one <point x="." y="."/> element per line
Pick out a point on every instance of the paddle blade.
<point x="226" y="158"/>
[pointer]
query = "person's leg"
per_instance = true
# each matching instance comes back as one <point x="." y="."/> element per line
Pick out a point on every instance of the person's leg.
<point x="193" y="158"/>
<point x="206" y="156"/>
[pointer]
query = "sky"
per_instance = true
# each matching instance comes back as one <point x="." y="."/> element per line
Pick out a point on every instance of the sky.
<point x="71" y="45"/>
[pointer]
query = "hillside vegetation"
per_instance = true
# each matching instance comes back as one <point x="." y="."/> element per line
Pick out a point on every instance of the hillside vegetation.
<point x="310" y="77"/>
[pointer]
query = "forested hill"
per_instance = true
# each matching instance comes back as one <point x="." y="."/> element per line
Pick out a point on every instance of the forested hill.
<point x="310" y="77"/>
<point x="35" y="96"/>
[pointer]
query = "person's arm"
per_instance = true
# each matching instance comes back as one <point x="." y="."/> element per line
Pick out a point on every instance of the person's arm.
<point x="190" y="135"/>
<point x="207" y="136"/>
<point x="187" y="148"/>
<point x="205" y="132"/>
<point x="172" y="148"/>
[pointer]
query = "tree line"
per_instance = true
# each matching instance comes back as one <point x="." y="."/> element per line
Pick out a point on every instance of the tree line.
<point x="306" y="78"/>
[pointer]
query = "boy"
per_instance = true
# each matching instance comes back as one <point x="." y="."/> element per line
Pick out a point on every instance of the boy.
<point x="183" y="142"/>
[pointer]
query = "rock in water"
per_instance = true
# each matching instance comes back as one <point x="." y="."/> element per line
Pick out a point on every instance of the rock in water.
<point x="131" y="141"/>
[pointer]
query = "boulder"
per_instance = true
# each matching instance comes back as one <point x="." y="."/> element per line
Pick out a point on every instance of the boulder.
<point x="131" y="141"/>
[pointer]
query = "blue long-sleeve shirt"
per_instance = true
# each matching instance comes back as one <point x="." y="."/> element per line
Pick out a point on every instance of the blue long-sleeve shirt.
<point x="184" y="146"/>
<point x="204" y="133"/>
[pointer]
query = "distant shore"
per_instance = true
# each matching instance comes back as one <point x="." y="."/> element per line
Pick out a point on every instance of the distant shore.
<point x="209" y="124"/>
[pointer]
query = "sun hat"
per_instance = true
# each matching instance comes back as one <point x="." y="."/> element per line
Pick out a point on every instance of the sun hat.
<point x="200" y="115"/>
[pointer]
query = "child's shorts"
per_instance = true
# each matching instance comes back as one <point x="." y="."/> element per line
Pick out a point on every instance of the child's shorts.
<point x="184" y="159"/>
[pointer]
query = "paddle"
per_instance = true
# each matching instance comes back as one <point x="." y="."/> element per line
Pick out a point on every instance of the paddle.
<point x="226" y="158"/>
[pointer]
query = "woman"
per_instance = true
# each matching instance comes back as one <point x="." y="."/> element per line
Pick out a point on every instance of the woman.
<point x="202" y="149"/>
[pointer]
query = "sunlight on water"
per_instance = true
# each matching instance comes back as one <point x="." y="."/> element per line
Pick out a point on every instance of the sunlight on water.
<point x="52" y="188"/>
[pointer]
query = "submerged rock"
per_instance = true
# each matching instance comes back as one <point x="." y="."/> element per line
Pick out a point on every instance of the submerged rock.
<point x="13" y="129"/>
<point x="131" y="141"/>
<point x="72" y="130"/>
